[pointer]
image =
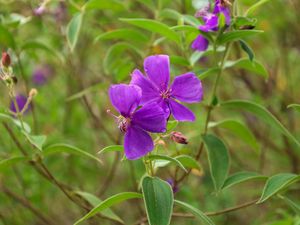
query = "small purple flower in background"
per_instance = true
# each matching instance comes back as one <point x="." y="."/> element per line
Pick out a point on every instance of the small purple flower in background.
<point x="172" y="184"/>
<point x="41" y="74"/>
<point x="61" y="12"/>
<point x="211" y="22"/>
<point x="39" y="11"/>
<point x="21" y="102"/>
<point x="136" y="122"/>
<point x="155" y="86"/>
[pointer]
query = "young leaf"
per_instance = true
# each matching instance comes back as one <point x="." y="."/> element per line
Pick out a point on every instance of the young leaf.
<point x="154" y="26"/>
<point x="196" y="212"/>
<point x="240" y="177"/>
<point x="112" y="148"/>
<point x="218" y="159"/>
<point x="65" y="148"/>
<point x="262" y="113"/>
<point x="158" y="199"/>
<point x="167" y="158"/>
<point x="73" y="30"/>
<point x="276" y="184"/>
<point x="253" y="66"/>
<point x="36" y="140"/>
<point x="236" y="35"/>
<point x="94" y="201"/>
<point x="238" y="129"/>
<point x="113" y="200"/>
<point x="123" y="34"/>
<point x="247" y="49"/>
<point x="5" y="163"/>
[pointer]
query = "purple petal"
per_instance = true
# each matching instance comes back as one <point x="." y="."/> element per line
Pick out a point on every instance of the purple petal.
<point x="200" y="43"/>
<point x="180" y="112"/>
<point x="222" y="9"/>
<point x="151" y="118"/>
<point x="137" y="143"/>
<point x="125" y="98"/>
<point x="157" y="68"/>
<point x="21" y="102"/>
<point x="211" y="23"/>
<point x="149" y="91"/>
<point x="187" y="88"/>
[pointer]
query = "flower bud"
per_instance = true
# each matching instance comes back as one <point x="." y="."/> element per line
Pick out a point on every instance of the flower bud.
<point x="5" y="59"/>
<point x="179" y="138"/>
<point x="33" y="92"/>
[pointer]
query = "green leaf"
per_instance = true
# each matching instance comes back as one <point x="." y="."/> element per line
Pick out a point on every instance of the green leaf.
<point x="189" y="162"/>
<point x="276" y="184"/>
<point x="94" y="201"/>
<point x="240" y="177"/>
<point x="6" y="38"/>
<point x="179" y="60"/>
<point x="208" y="72"/>
<point x="263" y="114"/>
<point x="73" y="30"/>
<point x="39" y="45"/>
<point x="104" y="4"/>
<point x="238" y="129"/>
<point x="255" y="7"/>
<point x="112" y="148"/>
<point x="236" y="35"/>
<point x="196" y="212"/>
<point x="252" y="66"/>
<point x="5" y="117"/>
<point x="5" y="163"/>
<point x="94" y="88"/>
<point x="123" y="34"/>
<point x="294" y="106"/>
<point x="65" y="148"/>
<point x="113" y="200"/>
<point x="158" y="199"/>
<point x="172" y="124"/>
<point x="247" y="49"/>
<point x="218" y="159"/>
<point x="36" y="140"/>
<point x="294" y="205"/>
<point x="167" y="158"/>
<point x="155" y="27"/>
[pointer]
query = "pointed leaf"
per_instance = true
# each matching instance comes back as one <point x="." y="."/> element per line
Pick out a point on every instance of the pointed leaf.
<point x="236" y="35"/>
<point x="113" y="200"/>
<point x="73" y="30"/>
<point x="36" y="140"/>
<point x="189" y="162"/>
<point x="167" y="158"/>
<point x="218" y="159"/>
<point x="112" y="148"/>
<point x="158" y="198"/>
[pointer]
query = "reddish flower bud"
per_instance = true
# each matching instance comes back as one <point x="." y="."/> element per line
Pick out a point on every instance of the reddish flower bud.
<point x="178" y="137"/>
<point x="5" y="59"/>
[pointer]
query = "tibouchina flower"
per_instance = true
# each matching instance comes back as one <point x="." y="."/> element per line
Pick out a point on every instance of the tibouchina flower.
<point x="136" y="122"/>
<point x="21" y="102"/>
<point x="211" y="23"/>
<point x="41" y="74"/>
<point x="155" y="86"/>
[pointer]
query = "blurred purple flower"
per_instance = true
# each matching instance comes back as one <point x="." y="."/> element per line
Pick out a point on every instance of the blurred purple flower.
<point x="21" y="102"/>
<point x="211" y="23"/>
<point x="41" y="74"/>
<point x="136" y="122"/>
<point x="172" y="184"/>
<point x="155" y="86"/>
<point x="39" y="11"/>
<point x="61" y="12"/>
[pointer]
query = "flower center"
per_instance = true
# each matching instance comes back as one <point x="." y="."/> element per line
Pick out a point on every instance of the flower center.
<point x="166" y="94"/>
<point x="123" y="123"/>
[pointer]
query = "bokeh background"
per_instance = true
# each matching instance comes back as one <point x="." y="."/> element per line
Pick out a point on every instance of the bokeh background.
<point x="72" y="102"/>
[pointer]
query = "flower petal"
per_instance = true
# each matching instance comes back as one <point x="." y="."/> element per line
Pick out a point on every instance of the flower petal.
<point x="211" y="23"/>
<point x="151" y="118"/>
<point x="200" y="43"/>
<point x="157" y="68"/>
<point x="137" y="143"/>
<point x="125" y="98"/>
<point x="149" y="91"/>
<point x="187" y="88"/>
<point x="180" y="112"/>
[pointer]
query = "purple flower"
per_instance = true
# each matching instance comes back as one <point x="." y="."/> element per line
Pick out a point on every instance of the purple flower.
<point x="200" y="43"/>
<point x="41" y="74"/>
<point x="172" y="184"/>
<point x="21" y="102"/>
<point x="39" y="11"/>
<point x="155" y="86"/>
<point x="136" y="122"/>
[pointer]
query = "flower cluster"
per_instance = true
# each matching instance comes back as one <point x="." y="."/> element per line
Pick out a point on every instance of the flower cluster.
<point x="211" y="22"/>
<point x="146" y="104"/>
